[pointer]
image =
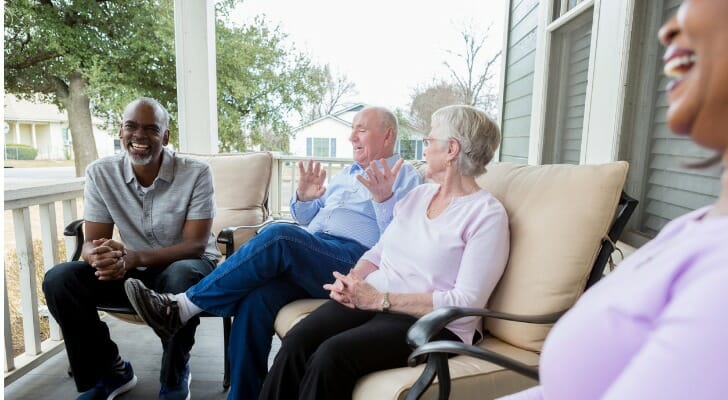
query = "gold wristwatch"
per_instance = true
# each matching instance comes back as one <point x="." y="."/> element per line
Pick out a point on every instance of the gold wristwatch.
<point x="385" y="302"/>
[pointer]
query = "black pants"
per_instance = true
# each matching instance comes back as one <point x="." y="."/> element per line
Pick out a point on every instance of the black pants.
<point x="324" y="355"/>
<point x="72" y="293"/>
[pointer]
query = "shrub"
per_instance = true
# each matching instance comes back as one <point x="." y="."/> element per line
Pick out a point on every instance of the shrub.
<point x="20" y="152"/>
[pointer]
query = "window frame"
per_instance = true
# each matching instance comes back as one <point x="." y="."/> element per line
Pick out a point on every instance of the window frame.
<point x="549" y="67"/>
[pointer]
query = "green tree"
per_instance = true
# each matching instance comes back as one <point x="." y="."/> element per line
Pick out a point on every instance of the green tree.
<point x="52" y="47"/>
<point x="262" y="82"/>
<point x="144" y="65"/>
<point x="99" y="55"/>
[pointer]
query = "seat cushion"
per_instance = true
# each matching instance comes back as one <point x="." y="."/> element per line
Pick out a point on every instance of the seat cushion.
<point x="294" y="312"/>
<point x="242" y="182"/>
<point x="558" y="215"/>
<point x="471" y="378"/>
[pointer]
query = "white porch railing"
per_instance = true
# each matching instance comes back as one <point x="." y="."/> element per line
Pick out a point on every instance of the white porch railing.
<point x="20" y="202"/>
<point x="284" y="179"/>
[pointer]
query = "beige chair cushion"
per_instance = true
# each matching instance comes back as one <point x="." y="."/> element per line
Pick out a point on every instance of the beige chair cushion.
<point x="242" y="182"/>
<point x="293" y="313"/>
<point x="558" y="215"/>
<point x="471" y="378"/>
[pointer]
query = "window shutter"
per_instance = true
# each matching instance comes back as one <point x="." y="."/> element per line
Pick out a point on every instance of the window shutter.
<point x="576" y="73"/>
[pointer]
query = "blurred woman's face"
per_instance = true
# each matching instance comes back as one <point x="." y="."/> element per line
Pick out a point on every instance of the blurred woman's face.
<point x="697" y="61"/>
<point x="436" y="149"/>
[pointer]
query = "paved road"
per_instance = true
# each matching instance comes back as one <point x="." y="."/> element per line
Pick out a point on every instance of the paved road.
<point x="23" y="177"/>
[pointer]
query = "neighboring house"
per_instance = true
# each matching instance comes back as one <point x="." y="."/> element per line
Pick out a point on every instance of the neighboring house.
<point x="45" y="127"/>
<point x="328" y="136"/>
<point x="582" y="83"/>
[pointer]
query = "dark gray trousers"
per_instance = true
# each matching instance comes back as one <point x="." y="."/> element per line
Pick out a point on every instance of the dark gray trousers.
<point x="72" y="293"/>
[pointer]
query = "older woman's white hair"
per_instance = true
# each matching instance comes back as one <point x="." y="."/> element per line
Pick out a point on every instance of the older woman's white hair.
<point x="476" y="133"/>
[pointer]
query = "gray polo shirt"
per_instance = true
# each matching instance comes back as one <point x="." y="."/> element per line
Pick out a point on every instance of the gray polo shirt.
<point x="152" y="218"/>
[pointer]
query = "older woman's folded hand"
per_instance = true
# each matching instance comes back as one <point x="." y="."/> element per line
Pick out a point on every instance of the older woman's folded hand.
<point x="354" y="292"/>
<point x="337" y="294"/>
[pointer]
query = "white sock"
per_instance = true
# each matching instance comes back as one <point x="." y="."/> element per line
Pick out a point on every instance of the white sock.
<point x="187" y="309"/>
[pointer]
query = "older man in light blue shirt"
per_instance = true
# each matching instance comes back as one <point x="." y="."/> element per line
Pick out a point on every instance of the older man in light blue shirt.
<point x="347" y="209"/>
<point x="287" y="262"/>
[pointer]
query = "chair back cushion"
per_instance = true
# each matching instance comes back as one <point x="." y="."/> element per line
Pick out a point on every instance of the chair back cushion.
<point x="558" y="215"/>
<point x="241" y="184"/>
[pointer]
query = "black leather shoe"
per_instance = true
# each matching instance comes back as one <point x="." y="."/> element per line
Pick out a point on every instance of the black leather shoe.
<point x="159" y="310"/>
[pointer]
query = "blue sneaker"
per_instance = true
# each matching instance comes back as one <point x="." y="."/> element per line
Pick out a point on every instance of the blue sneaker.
<point x="111" y="386"/>
<point x="181" y="392"/>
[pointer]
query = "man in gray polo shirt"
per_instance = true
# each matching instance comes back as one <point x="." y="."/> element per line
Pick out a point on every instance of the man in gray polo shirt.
<point x="162" y="205"/>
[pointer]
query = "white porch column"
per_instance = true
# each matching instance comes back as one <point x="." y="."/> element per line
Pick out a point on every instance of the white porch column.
<point x="194" y="31"/>
<point x="17" y="132"/>
<point x="35" y="139"/>
<point x="604" y="112"/>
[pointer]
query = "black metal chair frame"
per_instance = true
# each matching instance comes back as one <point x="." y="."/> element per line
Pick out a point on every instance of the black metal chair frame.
<point x="435" y="354"/>
<point x="225" y="237"/>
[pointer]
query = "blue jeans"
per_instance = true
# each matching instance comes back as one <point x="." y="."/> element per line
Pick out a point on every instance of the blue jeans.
<point x="281" y="264"/>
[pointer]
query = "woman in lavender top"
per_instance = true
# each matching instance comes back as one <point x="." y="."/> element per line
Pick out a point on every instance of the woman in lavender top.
<point x="660" y="319"/>
<point x="446" y="246"/>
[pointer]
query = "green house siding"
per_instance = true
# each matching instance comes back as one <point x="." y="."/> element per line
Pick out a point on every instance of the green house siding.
<point x="518" y="88"/>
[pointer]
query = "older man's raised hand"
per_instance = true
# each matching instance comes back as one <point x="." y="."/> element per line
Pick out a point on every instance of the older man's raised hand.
<point x="380" y="182"/>
<point x="311" y="181"/>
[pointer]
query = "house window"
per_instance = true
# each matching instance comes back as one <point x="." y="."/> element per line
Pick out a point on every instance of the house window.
<point x="321" y="147"/>
<point x="65" y="136"/>
<point x="561" y="7"/>
<point x="569" y="63"/>
<point x="410" y="149"/>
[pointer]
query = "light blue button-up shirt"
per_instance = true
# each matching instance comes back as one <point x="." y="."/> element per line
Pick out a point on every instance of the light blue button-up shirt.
<point x="347" y="210"/>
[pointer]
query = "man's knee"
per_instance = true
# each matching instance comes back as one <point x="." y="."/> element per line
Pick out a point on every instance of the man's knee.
<point x="181" y="275"/>
<point x="278" y="230"/>
<point x="64" y="277"/>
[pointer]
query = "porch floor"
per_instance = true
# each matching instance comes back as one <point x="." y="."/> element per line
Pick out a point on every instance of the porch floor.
<point x="139" y="345"/>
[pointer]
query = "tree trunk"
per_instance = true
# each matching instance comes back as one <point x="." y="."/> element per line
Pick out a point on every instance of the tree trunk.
<point x="76" y="102"/>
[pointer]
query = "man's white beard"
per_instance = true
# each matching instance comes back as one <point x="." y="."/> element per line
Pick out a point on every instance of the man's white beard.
<point x="138" y="160"/>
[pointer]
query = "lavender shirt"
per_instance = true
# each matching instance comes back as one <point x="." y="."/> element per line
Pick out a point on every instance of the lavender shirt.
<point x="459" y="256"/>
<point x="656" y="328"/>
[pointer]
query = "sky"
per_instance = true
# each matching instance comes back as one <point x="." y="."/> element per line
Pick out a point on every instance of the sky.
<point x="386" y="47"/>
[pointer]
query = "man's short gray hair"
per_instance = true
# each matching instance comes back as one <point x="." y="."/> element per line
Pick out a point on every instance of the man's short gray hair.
<point x="477" y="134"/>
<point x="386" y="118"/>
<point x="159" y="110"/>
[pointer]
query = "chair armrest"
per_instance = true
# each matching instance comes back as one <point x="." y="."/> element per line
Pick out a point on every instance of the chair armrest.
<point x="452" y="347"/>
<point x="227" y="235"/>
<point x="428" y="326"/>
<point x="435" y="353"/>
<point x="75" y="228"/>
